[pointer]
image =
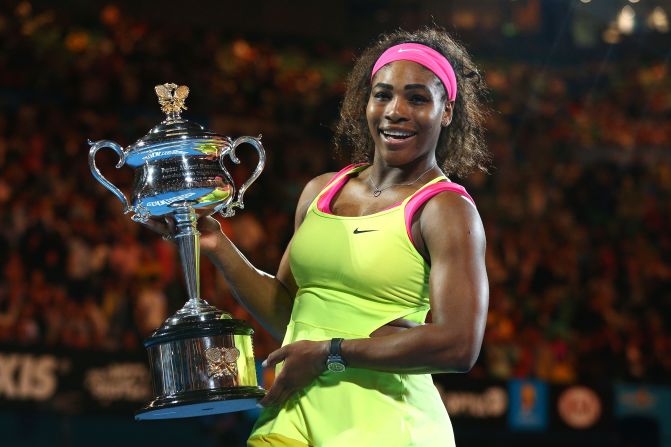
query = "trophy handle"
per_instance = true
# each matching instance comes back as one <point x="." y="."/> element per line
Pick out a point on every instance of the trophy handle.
<point x="98" y="176"/>
<point x="256" y="142"/>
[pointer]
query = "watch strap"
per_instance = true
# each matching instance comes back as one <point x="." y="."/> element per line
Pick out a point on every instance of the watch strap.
<point x="334" y="349"/>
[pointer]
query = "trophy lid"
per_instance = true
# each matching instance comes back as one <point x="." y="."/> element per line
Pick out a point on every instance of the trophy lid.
<point x="174" y="132"/>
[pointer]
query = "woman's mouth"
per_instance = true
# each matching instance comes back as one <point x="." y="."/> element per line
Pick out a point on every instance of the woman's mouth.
<point x="393" y="136"/>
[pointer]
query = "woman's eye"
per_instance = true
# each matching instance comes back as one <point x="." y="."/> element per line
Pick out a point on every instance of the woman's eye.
<point x="382" y="95"/>
<point x="418" y="99"/>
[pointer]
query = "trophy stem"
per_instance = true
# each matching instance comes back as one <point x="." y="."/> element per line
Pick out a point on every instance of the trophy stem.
<point x="188" y="243"/>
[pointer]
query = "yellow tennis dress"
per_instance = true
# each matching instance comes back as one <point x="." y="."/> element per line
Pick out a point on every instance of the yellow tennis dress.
<point x="356" y="274"/>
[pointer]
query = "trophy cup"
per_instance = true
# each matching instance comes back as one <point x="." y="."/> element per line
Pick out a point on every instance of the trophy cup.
<point x="201" y="360"/>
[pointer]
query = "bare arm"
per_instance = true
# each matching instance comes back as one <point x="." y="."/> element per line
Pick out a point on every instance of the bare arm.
<point x="268" y="298"/>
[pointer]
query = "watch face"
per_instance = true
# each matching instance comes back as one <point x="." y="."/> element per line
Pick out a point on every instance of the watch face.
<point x="335" y="367"/>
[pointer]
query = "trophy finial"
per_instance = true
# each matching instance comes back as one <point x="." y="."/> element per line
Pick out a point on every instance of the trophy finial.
<point x="171" y="97"/>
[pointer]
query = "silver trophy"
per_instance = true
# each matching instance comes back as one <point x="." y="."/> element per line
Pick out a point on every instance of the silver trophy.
<point x="201" y="360"/>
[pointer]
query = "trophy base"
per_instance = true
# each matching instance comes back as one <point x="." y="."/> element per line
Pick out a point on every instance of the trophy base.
<point x="201" y="365"/>
<point x="201" y="403"/>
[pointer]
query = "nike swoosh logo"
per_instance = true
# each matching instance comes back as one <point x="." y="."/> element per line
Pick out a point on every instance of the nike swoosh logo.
<point x="357" y="231"/>
<point x="403" y="50"/>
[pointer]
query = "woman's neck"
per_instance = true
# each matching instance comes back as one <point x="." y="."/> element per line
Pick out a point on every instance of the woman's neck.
<point x="383" y="175"/>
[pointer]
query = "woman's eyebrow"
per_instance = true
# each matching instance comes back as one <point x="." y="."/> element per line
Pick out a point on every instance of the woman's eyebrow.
<point x="414" y="86"/>
<point x="407" y="87"/>
<point x="383" y="85"/>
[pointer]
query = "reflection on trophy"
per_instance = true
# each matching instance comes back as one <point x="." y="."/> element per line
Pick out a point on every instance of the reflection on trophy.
<point x="201" y="360"/>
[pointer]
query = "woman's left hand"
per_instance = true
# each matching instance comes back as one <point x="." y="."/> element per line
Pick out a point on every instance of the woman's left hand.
<point x="303" y="361"/>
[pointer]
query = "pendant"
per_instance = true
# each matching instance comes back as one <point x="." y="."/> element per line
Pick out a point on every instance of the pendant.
<point x="377" y="193"/>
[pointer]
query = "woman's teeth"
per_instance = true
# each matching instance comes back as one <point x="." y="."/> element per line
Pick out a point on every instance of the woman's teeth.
<point x="397" y="134"/>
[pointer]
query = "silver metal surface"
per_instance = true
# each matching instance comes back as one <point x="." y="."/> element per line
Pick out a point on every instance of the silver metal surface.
<point x="256" y="143"/>
<point x="180" y="172"/>
<point x="178" y="163"/>
<point x="188" y="243"/>
<point x="182" y="365"/>
<point x="95" y="147"/>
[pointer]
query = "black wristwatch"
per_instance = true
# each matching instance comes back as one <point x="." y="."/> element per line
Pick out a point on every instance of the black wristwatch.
<point x="335" y="362"/>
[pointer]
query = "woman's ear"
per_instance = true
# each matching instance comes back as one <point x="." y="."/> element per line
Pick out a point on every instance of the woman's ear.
<point x="447" y="114"/>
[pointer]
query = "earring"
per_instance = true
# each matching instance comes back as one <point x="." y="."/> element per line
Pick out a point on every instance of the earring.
<point x="445" y="122"/>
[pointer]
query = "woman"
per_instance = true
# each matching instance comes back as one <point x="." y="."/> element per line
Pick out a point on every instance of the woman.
<point x="376" y="246"/>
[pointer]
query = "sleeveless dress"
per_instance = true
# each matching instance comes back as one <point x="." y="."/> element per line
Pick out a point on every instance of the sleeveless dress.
<point x="356" y="274"/>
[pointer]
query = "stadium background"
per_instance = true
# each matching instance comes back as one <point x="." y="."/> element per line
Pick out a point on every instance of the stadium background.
<point x="576" y="207"/>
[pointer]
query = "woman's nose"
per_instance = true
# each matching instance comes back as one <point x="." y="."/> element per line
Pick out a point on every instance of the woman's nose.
<point x="396" y="110"/>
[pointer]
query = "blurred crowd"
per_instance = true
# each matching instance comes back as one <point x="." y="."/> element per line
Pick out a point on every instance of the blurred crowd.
<point x="576" y="206"/>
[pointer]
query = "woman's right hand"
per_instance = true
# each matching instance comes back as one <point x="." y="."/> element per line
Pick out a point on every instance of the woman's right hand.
<point x="209" y="228"/>
<point x="210" y="234"/>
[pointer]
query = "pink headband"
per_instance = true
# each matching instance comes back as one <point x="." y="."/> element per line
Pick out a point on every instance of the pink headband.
<point x="423" y="55"/>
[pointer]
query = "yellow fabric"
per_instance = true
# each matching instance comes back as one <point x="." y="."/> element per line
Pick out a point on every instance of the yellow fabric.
<point x="274" y="440"/>
<point x="352" y="281"/>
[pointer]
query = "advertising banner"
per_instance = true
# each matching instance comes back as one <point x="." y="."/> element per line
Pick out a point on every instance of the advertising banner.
<point x="73" y="382"/>
<point x="93" y="382"/>
<point x="528" y="405"/>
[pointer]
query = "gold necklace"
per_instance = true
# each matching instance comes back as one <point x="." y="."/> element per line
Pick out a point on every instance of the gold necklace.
<point x="377" y="190"/>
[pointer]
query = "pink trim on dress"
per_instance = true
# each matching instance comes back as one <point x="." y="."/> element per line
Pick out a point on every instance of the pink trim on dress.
<point x="338" y="180"/>
<point x="424" y="195"/>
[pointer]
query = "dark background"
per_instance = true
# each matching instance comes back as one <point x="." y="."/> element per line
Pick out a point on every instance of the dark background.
<point x="576" y="205"/>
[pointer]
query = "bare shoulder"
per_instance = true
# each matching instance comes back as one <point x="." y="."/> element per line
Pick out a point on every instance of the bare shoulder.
<point x="313" y="187"/>
<point x="450" y="215"/>
<point x="310" y="191"/>
<point x="317" y="184"/>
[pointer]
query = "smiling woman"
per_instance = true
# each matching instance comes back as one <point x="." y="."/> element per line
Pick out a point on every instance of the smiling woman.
<point x="461" y="147"/>
<point x="406" y="111"/>
<point x="376" y="246"/>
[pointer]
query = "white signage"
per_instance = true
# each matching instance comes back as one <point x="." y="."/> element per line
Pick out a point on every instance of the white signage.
<point x="27" y="376"/>
<point x="491" y="402"/>
<point x="119" y="381"/>
<point x="579" y="407"/>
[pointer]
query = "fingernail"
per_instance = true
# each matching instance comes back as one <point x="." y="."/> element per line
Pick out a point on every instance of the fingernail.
<point x="265" y="363"/>
<point x="259" y="405"/>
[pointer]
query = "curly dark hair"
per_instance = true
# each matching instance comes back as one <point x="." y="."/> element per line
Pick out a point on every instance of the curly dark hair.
<point x="461" y="147"/>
